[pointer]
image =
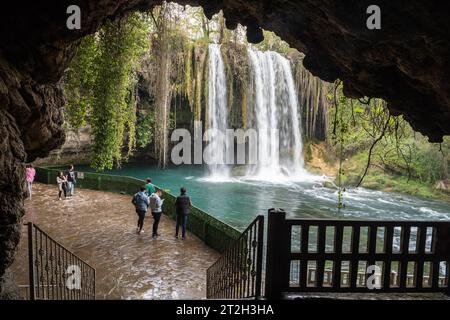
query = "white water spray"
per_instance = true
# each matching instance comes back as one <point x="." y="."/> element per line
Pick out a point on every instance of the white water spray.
<point x="274" y="105"/>
<point x="273" y="110"/>
<point x="217" y="115"/>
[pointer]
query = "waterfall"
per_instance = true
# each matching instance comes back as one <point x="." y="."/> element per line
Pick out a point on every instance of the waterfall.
<point x="217" y="119"/>
<point x="273" y="111"/>
<point x="273" y="105"/>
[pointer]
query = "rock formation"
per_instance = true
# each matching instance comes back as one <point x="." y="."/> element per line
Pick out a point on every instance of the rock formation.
<point x="76" y="149"/>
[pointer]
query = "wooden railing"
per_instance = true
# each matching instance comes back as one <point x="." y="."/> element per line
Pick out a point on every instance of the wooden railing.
<point x="318" y="255"/>
<point x="237" y="274"/>
<point x="362" y="278"/>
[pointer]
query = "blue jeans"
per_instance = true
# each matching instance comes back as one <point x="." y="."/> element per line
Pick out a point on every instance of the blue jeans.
<point x="181" y="220"/>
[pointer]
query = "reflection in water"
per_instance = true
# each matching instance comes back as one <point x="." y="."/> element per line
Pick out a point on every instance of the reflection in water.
<point x="100" y="228"/>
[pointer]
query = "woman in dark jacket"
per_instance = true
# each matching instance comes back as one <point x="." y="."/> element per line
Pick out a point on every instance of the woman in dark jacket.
<point x="182" y="207"/>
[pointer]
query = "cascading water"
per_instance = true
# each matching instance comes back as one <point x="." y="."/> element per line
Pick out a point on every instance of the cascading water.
<point x="217" y="115"/>
<point x="273" y="111"/>
<point x="273" y="108"/>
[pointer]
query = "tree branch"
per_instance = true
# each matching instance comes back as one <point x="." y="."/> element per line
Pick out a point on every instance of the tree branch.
<point x="371" y="149"/>
<point x="154" y="20"/>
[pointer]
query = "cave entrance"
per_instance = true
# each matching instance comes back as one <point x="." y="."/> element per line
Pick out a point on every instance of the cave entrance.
<point x="32" y="99"/>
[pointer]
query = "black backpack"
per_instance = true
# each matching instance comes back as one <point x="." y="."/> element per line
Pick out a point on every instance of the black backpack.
<point x="71" y="176"/>
<point x="133" y="200"/>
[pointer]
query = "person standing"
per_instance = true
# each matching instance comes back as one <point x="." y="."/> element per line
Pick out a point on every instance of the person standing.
<point x="156" y="206"/>
<point x="141" y="202"/>
<point x="61" y="180"/>
<point x="30" y="173"/>
<point x="182" y="208"/>
<point x="71" y="181"/>
<point x="150" y="187"/>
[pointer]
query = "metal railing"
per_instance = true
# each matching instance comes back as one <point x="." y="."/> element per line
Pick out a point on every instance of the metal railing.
<point x="55" y="273"/>
<point x="318" y="255"/>
<point x="237" y="274"/>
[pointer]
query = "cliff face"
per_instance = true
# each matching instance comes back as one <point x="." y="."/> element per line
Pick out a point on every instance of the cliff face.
<point x="30" y="126"/>
<point x="406" y="63"/>
<point x="76" y="149"/>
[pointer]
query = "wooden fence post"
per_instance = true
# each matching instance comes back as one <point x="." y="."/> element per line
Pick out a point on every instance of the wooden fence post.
<point x="277" y="265"/>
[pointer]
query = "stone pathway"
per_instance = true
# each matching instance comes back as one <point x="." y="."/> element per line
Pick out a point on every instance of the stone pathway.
<point x="100" y="227"/>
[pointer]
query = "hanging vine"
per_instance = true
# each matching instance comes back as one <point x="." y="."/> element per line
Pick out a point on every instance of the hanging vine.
<point x="120" y="46"/>
<point x="79" y="81"/>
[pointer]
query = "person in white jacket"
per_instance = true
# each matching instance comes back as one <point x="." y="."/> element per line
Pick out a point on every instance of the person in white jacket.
<point x="156" y="207"/>
<point x="61" y="180"/>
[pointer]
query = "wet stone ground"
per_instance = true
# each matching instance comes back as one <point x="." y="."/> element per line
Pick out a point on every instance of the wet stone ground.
<point x="100" y="227"/>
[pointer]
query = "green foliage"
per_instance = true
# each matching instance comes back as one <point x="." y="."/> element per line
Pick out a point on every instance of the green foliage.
<point x="120" y="46"/>
<point x="272" y="42"/>
<point x="188" y="74"/>
<point x="100" y="87"/>
<point x="379" y="178"/>
<point x="368" y="139"/>
<point x="144" y="129"/>
<point x="79" y="81"/>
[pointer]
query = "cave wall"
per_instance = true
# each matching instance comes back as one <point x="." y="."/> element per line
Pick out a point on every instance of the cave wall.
<point x="30" y="126"/>
<point x="76" y="149"/>
<point x="405" y="63"/>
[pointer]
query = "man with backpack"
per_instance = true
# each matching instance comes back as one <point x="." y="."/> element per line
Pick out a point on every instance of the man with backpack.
<point x="156" y="207"/>
<point x="141" y="203"/>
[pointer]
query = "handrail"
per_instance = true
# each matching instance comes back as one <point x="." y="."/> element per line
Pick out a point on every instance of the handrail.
<point x="60" y="245"/>
<point x="237" y="274"/>
<point x="56" y="273"/>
